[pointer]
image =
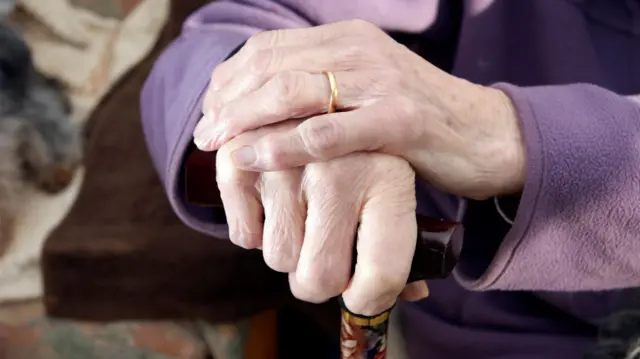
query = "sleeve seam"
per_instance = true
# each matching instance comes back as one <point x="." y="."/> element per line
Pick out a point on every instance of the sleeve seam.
<point x="192" y="107"/>
<point x="522" y="221"/>
<point x="172" y="177"/>
<point x="527" y="225"/>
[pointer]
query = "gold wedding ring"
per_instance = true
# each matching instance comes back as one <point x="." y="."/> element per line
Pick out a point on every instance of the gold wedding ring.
<point x="333" y="86"/>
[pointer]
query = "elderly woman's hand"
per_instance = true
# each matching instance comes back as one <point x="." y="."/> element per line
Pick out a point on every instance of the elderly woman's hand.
<point x="459" y="136"/>
<point x="305" y="220"/>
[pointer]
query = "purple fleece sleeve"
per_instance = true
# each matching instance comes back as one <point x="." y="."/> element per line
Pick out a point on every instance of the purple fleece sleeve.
<point x="577" y="225"/>
<point x="171" y="97"/>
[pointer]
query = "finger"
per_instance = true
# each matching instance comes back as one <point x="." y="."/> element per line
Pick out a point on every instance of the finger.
<point x="241" y="202"/>
<point x="266" y="63"/>
<point x="285" y="213"/>
<point x="287" y="95"/>
<point x="415" y="291"/>
<point x="325" y="260"/>
<point x="385" y="247"/>
<point x="261" y="54"/>
<point x="239" y="189"/>
<point x="322" y="138"/>
<point x="303" y="36"/>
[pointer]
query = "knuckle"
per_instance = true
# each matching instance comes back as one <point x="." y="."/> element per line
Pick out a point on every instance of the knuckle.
<point x="236" y="239"/>
<point x="321" y="137"/>
<point x="407" y="108"/>
<point x="320" y="182"/>
<point x="408" y="121"/>
<point x="207" y="102"/>
<point x="362" y="26"/>
<point x="279" y="261"/>
<point x="380" y="87"/>
<point x="245" y="240"/>
<point x="387" y="82"/>
<point x="394" y="79"/>
<point x="353" y="56"/>
<point x="260" y="61"/>
<point x="271" y="152"/>
<point x="253" y="44"/>
<point x="394" y="188"/>
<point x="329" y="182"/>
<point x="312" y="179"/>
<point x="229" y="178"/>
<point x="386" y="283"/>
<point x="218" y="76"/>
<point x="286" y="86"/>
<point x="216" y="81"/>
<point x="262" y="40"/>
<point x="302" y="294"/>
<point x="319" y="284"/>
<point x="226" y="117"/>
<point x="281" y="250"/>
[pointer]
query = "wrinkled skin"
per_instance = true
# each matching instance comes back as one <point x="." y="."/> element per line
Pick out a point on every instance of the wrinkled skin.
<point x="311" y="216"/>
<point x="315" y="179"/>
<point x="461" y="137"/>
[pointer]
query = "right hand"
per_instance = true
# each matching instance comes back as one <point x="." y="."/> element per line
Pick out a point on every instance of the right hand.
<point x="462" y="138"/>
<point x="312" y="215"/>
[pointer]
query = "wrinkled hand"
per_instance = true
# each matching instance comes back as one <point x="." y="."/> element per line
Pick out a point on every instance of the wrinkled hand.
<point x="461" y="137"/>
<point x="305" y="220"/>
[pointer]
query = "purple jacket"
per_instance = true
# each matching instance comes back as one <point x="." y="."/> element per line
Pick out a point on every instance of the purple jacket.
<point x="533" y="290"/>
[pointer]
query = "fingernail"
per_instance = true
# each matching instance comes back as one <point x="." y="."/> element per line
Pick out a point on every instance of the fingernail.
<point x="212" y="113"/>
<point x="244" y="156"/>
<point x="208" y="127"/>
<point x="202" y="134"/>
<point x="202" y="144"/>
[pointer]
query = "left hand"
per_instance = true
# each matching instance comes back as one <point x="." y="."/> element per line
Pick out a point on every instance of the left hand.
<point x="306" y="220"/>
<point x="461" y="137"/>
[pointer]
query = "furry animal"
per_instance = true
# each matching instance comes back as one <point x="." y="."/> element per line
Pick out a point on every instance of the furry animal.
<point x="39" y="143"/>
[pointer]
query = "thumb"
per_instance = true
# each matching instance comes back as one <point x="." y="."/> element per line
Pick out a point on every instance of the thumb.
<point x="415" y="291"/>
<point x="317" y="139"/>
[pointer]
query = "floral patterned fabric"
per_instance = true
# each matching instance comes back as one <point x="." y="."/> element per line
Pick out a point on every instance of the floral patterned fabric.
<point x="26" y="333"/>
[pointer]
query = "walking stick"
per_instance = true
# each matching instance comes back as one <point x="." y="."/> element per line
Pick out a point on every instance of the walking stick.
<point x="437" y="251"/>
